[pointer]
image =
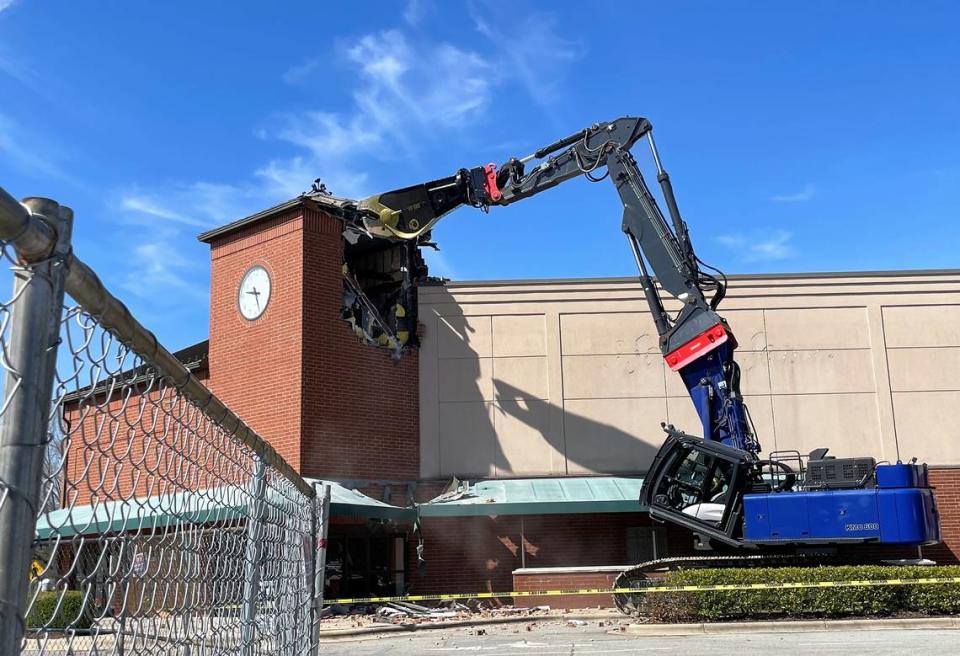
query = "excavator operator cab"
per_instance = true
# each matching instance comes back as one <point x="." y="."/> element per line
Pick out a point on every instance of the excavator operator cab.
<point x="699" y="484"/>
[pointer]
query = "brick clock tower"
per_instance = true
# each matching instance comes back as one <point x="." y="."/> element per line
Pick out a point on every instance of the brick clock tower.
<point x="282" y="357"/>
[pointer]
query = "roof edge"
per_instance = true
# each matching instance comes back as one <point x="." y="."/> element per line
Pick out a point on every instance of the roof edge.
<point x="194" y="358"/>
<point x="213" y="233"/>
<point x="895" y="273"/>
<point x="315" y="200"/>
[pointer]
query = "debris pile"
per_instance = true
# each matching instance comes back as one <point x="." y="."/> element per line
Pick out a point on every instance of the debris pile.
<point x="400" y="612"/>
<point x="399" y="609"/>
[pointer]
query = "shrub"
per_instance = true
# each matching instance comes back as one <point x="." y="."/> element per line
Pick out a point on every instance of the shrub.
<point x="803" y="602"/>
<point x="942" y="598"/>
<point x="72" y="614"/>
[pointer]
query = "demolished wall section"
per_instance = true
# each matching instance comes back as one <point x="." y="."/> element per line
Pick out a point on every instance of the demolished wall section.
<point x="359" y="404"/>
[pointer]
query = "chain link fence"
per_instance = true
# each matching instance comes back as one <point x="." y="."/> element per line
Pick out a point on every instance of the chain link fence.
<point x="138" y="514"/>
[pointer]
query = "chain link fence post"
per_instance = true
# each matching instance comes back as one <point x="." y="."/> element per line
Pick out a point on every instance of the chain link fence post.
<point x="30" y="363"/>
<point x="253" y="556"/>
<point x="320" y="530"/>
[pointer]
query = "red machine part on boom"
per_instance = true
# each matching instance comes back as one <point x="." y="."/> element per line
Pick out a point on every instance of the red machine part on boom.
<point x="493" y="191"/>
<point x="705" y="342"/>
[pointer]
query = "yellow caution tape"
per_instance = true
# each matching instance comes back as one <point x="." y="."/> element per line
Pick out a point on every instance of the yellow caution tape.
<point x="649" y="590"/>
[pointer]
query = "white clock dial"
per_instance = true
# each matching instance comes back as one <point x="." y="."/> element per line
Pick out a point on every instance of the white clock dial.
<point x="254" y="292"/>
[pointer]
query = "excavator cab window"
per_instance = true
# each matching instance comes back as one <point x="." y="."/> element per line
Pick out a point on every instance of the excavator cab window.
<point x="698" y="487"/>
<point x="698" y="484"/>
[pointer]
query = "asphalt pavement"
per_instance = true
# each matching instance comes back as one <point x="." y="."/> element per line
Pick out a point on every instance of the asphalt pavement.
<point x="561" y="639"/>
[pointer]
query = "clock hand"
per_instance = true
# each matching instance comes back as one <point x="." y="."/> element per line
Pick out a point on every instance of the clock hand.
<point x="256" y="296"/>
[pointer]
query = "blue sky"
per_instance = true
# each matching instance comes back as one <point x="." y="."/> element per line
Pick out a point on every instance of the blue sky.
<point x="820" y="136"/>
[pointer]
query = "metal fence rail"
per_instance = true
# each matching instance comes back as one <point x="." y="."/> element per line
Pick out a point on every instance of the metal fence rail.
<point x="138" y="514"/>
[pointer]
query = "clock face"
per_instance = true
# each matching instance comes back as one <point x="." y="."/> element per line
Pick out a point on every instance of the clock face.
<point x="254" y="292"/>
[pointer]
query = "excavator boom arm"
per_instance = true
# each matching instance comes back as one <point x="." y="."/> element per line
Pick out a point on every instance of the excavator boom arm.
<point x="697" y="342"/>
<point x="714" y="486"/>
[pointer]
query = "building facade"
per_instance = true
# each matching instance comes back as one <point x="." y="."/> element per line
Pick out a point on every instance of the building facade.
<point x="548" y="396"/>
<point x="546" y="378"/>
<point x="565" y="378"/>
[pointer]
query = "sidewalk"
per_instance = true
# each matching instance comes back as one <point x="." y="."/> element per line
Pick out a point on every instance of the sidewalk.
<point x="793" y="626"/>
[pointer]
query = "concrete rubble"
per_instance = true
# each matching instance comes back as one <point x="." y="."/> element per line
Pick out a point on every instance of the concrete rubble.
<point x="358" y="616"/>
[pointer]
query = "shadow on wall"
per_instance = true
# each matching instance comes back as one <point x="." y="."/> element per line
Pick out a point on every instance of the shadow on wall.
<point x="490" y="426"/>
<point x="588" y="444"/>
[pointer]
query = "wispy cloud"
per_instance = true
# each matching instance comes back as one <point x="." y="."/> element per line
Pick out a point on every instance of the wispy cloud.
<point x="331" y="143"/>
<point x="420" y="80"/>
<point x="761" y="247"/>
<point x="15" y="69"/>
<point x="301" y="72"/>
<point x="148" y="206"/>
<point x="327" y="135"/>
<point x="804" y="194"/>
<point x="776" y="247"/>
<point x="47" y="86"/>
<point x="163" y="275"/>
<point x="198" y="204"/>
<point x="28" y="159"/>
<point x="162" y="269"/>
<point x="402" y="94"/>
<point x="5" y="4"/>
<point x="286" y="178"/>
<point x="399" y="91"/>
<point x="530" y="49"/>
<point x="415" y="10"/>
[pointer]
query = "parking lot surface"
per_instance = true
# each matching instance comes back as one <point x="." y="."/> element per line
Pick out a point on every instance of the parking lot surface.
<point x="556" y="639"/>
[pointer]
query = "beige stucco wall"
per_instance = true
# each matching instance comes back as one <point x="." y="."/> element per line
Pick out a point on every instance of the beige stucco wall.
<point x="527" y="378"/>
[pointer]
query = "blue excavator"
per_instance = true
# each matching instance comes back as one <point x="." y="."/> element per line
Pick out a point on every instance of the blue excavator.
<point x="718" y="486"/>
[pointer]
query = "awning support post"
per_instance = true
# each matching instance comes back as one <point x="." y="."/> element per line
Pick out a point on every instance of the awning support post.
<point x="523" y="545"/>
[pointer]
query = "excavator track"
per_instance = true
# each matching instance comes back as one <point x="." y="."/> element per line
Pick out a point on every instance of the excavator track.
<point x="636" y="577"/>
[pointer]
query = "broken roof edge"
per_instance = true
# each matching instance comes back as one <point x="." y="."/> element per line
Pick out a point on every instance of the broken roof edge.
<point x="312" y="199"/>
<point x="571" y="495"/>
<point x="347" y="502"/>
<point x="530" y="508"/>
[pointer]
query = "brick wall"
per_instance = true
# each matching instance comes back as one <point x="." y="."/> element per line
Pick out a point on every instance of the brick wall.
<point x="116" y="452"/>
<point x="947" y="484"/>
<point x="297" y="374"/>
<point x="559" y="580"/>
<point x="255" y="366"/>
<point x="468" y="554"/>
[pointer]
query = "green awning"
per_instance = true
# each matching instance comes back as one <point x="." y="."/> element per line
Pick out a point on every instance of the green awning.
<point x="199" y="507"/>
<point x="534" y="496"/>
<point x="144" y="513"/>
<point x="538" y="496"/>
